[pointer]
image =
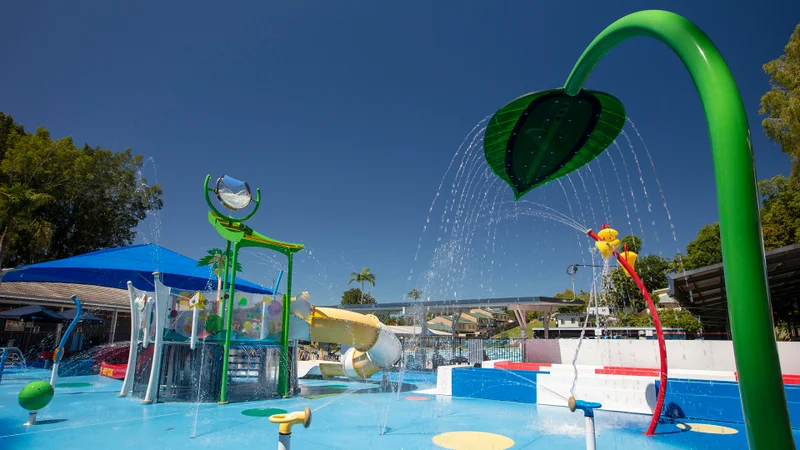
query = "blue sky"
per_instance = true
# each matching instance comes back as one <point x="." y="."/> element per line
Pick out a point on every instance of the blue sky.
<point x="348" y="114"/>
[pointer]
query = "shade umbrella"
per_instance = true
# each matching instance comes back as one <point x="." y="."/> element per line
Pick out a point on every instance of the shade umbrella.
<point x="114" y="267"/>
<point x="34" y="312"/>
<point x="85" y="317"/>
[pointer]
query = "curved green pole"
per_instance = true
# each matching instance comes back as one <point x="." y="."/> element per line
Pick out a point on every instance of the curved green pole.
<point x="760" y="384"/>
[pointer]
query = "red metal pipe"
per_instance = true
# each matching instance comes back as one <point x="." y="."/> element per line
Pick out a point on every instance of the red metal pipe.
<point x="662" y="346"/>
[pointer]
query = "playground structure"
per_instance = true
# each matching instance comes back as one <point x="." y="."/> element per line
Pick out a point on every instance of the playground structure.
<point x="544" y="135"/>
<point x="189" y="346"/>
<point x="185" y="346"/>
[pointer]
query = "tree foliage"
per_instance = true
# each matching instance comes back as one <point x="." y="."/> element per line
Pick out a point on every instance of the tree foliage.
<point x="355" y="297"/>
<point x="414" y="294"/>
<point x="780" y="211"/>
<point x="705" y="249"/>
<point x="365" y="276"/>
<point x="568" y="294"/>
<point x="96" y="197"/>
<point x="634" y="243"/>
<point x="670" y="318"/>
<point x="781" y="104"/>
<point x="624" y="295"/>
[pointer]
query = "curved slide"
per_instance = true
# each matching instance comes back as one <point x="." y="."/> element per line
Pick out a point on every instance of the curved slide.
<point x="373" y="346"/>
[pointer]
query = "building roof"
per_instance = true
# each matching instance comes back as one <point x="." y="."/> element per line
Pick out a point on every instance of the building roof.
<point x="702" y="291"/>
<point x="439" y="327"/>
<point x="115" y="267"/>
<point x="480" y="314"/>
<point x="60" y="294"/>
<point x="440" y="306"/>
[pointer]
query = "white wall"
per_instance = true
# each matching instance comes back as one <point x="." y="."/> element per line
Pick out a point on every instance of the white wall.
<point x="689" y="355"/>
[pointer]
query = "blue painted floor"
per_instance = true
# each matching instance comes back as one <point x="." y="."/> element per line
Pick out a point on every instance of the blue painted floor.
<point x="93" y="417"/>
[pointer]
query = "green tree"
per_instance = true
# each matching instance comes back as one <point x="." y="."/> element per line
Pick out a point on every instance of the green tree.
<point x="356" y="297"/>
<point x="568" y="294"/>
<point x="8" y="128"/>
<point x="781" y="104"/>
<point x="705" y="249"/>
<point x="19" y="210"/>
<point x="669" y="319"/>
<point x="414" y="294"/>
<point x="216" y="258"/>
<point x="634" y="243"/>
<point x="780" y="211"/>
<point x="98" y="196"/>
<point x="624" y="295"/>
<point x="365" y="276"/>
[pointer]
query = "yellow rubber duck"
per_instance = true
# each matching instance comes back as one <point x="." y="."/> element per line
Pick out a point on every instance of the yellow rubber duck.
<point x="608" y="241"/>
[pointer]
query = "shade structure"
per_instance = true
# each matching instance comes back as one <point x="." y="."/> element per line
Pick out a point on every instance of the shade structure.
<point x="545" y="135"/>
<point x="114" y="267"/>
<point x="85" y="317"/>
<point x="34" y="313"/>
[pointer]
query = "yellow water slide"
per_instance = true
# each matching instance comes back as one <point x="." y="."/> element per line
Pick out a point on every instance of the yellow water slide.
<point x="372" y="346"/>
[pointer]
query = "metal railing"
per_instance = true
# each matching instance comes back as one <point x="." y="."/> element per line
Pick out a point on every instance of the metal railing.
<point x="429" y="352"/>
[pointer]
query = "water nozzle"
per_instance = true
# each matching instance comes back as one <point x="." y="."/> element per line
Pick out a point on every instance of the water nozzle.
<point x="286" y="421"/>
<point x="587" y="407"/>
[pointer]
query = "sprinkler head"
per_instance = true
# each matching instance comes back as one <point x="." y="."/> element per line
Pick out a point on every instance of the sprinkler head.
<point x="286" y="421"/>
<point x="545" y="135"/>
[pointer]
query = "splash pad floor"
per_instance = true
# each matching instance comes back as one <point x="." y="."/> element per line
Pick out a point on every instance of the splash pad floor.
<point x="346" y="415"/>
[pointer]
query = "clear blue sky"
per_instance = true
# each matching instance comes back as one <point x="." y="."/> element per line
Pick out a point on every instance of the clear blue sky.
<point x="347" y="115"/>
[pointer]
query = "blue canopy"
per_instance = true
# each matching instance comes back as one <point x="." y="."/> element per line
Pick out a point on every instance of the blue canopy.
<point x="114" y="267"/>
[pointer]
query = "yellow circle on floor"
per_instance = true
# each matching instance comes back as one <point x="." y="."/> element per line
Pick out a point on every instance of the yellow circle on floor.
<point x="706" y="428"/>
<point x="472" y="440"/>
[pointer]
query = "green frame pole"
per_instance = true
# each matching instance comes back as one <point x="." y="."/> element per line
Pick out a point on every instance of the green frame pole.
<point x="766" y="414"/>
<point x="223" y="393"/>
<point x="283" y="376"/>
<point x="226" y="268"/>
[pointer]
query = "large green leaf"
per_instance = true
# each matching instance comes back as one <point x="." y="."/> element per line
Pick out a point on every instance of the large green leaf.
<point x="545" y="135"/>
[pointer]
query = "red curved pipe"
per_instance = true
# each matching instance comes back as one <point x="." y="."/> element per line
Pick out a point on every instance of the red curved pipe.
<point x="662" y="346"/>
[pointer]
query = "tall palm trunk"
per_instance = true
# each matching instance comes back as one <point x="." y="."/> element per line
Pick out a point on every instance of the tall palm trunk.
<point x="362" y="292"/>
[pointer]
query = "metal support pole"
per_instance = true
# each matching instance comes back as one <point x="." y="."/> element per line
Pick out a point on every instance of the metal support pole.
<point x="223" y="393"/>
<point x="283" y="376"/>
<point x="113" y="327"/>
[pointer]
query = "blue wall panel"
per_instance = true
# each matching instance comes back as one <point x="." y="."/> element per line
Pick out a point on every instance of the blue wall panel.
<point x="495" y="384"/>
<point x="716" y="400"/>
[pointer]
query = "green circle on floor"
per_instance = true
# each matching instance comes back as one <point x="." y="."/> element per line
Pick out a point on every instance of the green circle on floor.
<point x="74" y="385"/>
<point x="472" y="440"/>
<point x="263" y="412"/>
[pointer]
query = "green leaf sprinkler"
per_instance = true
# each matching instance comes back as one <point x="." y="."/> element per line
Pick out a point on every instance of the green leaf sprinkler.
<point x="38" y="394"/>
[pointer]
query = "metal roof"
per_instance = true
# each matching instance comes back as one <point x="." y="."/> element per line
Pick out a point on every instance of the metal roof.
<point x="702" y="291"/>
<point x="60" y="294"/>
<point x="440" y="306"/>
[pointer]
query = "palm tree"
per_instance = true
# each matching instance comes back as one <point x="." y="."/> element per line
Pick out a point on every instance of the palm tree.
<point x="365" y="276"/>
<point x="414" y="294"/>
<point x="19" y="210"/>
<point x="216" y="259"/>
